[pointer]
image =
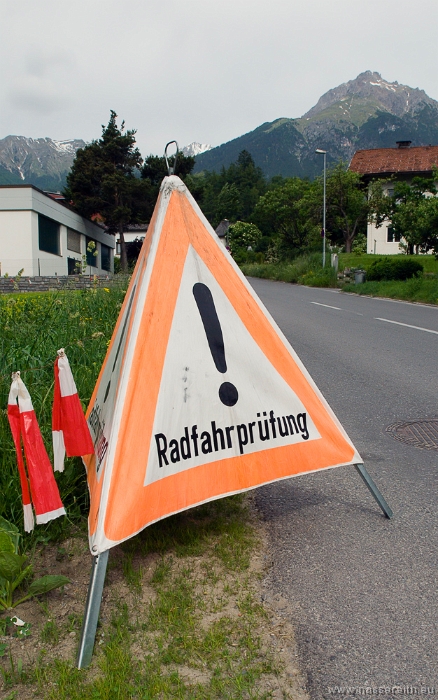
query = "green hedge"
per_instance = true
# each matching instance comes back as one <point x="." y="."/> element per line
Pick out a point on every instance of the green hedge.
<point x="397" y="268"/>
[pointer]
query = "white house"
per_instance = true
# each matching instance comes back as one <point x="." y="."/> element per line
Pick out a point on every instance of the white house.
<point x="133" y="232"/>
<point x="43" y="236"/>
<point x="402" y="163"/>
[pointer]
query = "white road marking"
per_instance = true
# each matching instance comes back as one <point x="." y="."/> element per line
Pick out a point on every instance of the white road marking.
<point x="407" y="325"/>
<point x="326" y="305"/>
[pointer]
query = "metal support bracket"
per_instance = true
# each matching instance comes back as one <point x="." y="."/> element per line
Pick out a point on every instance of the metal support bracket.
<point x="171" y="169"/>
<point x="374" y="490"/>
<point x="92" y="608"/>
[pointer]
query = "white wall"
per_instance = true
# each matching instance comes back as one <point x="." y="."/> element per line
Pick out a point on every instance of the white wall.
<point x="16" y="239"/>
<point x="377" y="240"/>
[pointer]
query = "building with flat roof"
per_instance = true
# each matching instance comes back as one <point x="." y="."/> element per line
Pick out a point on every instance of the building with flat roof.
<point x="41" y="235"/>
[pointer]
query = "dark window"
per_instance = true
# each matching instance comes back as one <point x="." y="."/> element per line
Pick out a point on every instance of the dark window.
<point x="106" y="257"/>
<point x="72" y="267"/>
<point x="392" y="236"/>
<point x="91" y="252"/>
<point x="48" y="235"/>
<point x="73" y="240"/>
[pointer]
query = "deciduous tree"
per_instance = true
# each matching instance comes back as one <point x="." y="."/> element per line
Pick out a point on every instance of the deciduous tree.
<point x="412" y="209"/>
<point x="285" y="212"/>
<point x="347" y="204"/>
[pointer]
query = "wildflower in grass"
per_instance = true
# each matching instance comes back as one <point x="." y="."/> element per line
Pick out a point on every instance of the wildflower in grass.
<point x="105" y="289"/>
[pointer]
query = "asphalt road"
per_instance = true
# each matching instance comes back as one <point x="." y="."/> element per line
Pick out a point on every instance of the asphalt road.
<point x="362" y="589"/>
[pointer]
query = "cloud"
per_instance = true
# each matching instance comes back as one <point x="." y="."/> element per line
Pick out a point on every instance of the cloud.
<point x="39" y="88"/>
<point x="40" y="62"/>
<point x="37" y="94"/>
<point x="197" y="70"/>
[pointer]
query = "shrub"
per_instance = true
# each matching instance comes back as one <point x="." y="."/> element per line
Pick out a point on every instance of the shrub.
<point x="243" y="235"/>
<point x="399" y="268"/>
<point x="305" y="269"/>
<point x="359" y="244"/>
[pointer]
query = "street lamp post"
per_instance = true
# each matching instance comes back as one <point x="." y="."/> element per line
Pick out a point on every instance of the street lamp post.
<point x="324" y="153"/>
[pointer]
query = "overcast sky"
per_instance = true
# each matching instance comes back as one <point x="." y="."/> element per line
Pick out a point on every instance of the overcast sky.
<point x="197" y="70"/>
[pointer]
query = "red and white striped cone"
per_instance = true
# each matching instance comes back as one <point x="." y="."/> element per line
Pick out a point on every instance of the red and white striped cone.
<point x="44" y="494"/>
<point x="69" y="428"/>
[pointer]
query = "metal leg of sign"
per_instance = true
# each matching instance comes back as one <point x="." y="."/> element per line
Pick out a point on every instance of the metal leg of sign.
<point x="374" y="490"/>
<point x="92" y="607"/>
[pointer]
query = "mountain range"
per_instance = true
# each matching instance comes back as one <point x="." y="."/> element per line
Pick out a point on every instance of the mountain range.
<point x="41" y="162"/>
<point x="367" y="112"/>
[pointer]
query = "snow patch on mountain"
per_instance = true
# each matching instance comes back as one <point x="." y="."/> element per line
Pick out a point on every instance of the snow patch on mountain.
<point x="65" y="146"/>
<point x="195" y="148"/>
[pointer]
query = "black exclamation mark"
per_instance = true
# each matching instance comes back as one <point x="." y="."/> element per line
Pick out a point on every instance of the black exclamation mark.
<point x="228" y="393"/>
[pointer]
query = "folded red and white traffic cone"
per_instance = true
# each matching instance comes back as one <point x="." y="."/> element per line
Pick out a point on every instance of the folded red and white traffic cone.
<point x="14" y="422"/>
<point x="70" y="431"/>
<point x="43" y="492"/>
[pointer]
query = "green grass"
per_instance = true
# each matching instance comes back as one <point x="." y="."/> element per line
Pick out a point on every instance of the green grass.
<point x="34" y="326"/>
<point x="364" y="261"/>
<point x="420" y="289"/>
<point x="307" y="269"/>
<point x="50" y="633"/>
<point x="197" y="637"/>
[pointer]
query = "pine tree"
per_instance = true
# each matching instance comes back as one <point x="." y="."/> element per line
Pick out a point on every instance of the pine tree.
<point x="104" y="182"/>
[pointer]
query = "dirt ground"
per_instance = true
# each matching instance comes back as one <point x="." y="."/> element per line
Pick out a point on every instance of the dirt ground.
<point x="55" y="620"/>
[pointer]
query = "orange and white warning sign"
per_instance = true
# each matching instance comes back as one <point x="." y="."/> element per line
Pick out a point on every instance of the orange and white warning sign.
<point x="200" y="395"/>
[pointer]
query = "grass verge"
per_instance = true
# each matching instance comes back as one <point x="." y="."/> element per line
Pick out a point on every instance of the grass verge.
<point x="364" y="260"/>
<point x="181" y="618"/>
<point x="307" y="270"/>
<point x="418" y="289"/>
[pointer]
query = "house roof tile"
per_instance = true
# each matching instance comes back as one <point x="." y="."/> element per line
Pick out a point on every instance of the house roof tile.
<point x="377" y="161"/>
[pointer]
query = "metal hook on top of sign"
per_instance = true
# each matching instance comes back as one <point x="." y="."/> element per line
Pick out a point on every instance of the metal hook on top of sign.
<point x="171" y="169"/>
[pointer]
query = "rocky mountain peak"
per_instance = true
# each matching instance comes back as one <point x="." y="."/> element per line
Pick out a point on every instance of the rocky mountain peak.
<point x="195" y="148"/>
<point x="379" y="94"/>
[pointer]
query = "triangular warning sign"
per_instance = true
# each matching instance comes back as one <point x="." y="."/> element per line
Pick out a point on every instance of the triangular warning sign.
<point x="200" y="394"/>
